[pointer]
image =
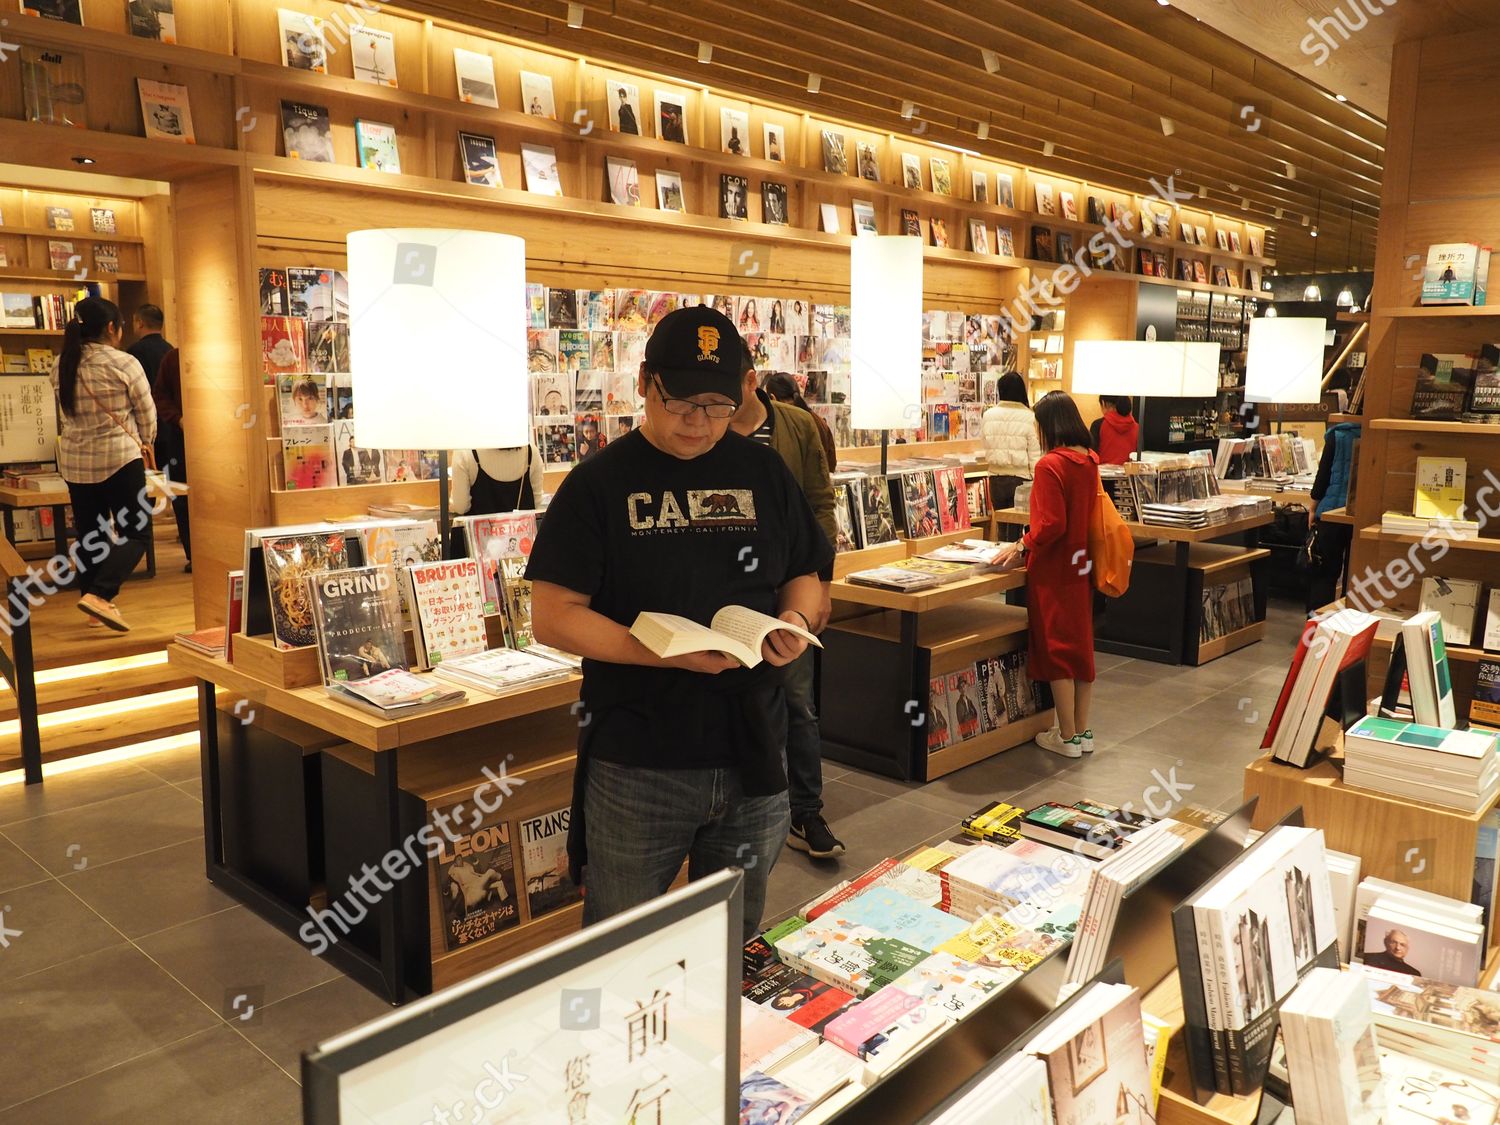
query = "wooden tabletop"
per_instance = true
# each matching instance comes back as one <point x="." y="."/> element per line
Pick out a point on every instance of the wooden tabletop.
<point x="933" y="598"/>
<point x="1156" y="531"/>
<point x="1338" y="515"/>
<point x="315" y="706"/>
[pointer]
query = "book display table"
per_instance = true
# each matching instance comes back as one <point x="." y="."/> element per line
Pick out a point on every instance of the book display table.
<point x="14" y="499"/>
<point x="302" y="795"/>
<point x="1173" y="579"/>
<point x="882" y="650"/>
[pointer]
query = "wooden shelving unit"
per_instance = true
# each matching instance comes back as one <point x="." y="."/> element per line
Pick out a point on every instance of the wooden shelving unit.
<point x="1375" y="533"/>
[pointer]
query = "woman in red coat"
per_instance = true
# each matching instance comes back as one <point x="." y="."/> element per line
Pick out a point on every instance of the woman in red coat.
<point x="1059" y="591"/>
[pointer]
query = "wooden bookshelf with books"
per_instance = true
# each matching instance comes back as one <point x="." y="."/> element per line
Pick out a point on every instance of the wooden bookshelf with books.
<point x="1427" y="363"/>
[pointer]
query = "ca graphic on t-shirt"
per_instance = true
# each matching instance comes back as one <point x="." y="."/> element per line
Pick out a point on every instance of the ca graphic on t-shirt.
<point x="705" y="510"/>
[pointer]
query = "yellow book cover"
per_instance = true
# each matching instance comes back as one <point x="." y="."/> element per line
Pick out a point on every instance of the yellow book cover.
<point x="1440" y="487"/>
<point x="1158" y="1035"/>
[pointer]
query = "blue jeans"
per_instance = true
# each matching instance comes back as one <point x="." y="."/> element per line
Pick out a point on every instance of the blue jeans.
<point x="642" y="823"/>
<point x="804" y="745"/>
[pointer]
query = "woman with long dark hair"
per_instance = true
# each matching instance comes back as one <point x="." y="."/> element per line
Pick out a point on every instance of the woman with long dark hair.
<point x="1059" y="592"/>
<point x="108" y="419"/>
<point x="783" y="388"/>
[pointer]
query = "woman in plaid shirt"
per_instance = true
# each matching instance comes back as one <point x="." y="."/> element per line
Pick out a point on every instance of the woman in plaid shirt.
<point x="107" y="417"/>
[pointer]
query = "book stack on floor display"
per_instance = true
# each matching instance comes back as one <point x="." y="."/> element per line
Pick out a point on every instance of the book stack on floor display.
<point x="1442" y="1024"/>
<point x="1244" y="940"/>
<point x="881" y="965"/>
<point x="1455" y="769"/>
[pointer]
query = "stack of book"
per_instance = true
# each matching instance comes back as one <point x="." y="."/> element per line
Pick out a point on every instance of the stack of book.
<point x="1418" y="683"/>
<point x="1455" y="769"/>
<point x="1443" y="1024"/>
<point x="982" y="554"/>
<point x="1095" y="1053"/>
<point x="1191" y="513"/>
<point x="1403" y="930"/>
<point x="911" y="575"/>
<point x="208" y="642"/>
<point x="1244" y="941"/>
<point x="1142" y="856"/>
<point x="1331" y="1051"/>
<point x="1404" y="523"/>
<point x="502" y="671"/>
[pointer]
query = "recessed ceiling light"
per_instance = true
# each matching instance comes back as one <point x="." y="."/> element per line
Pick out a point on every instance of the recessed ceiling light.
<point x="83" y="160"/>
<point x="1340" y="97"/>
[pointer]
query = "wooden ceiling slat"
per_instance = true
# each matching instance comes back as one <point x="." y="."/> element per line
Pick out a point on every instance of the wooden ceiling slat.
<point x="1092" y="76"/>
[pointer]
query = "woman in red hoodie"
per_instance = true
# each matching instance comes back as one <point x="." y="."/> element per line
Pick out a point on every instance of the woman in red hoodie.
<point x="1114" y="436"/>
<point x="1059" y="592"/>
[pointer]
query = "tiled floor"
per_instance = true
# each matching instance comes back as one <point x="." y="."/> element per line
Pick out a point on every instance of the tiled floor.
<point x="133" y="991"/>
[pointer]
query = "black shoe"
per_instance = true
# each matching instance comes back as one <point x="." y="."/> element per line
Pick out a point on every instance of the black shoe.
<point x="189" y="568"/>
<point x="813" y="836"/>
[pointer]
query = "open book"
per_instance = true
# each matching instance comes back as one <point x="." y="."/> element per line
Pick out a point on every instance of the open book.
<point x="735" y="630"/>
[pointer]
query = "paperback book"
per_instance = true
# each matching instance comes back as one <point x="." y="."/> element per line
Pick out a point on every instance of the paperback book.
<point x="376" y="143"/>
<point x="307" y="458"/>
<point x="306" y="133"/>
<point x="152" y="19"/>
<point x="374" y="55"/>
<point x="166" y="112"/>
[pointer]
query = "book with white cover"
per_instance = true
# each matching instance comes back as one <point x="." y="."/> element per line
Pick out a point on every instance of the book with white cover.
<point x="1492" y="622"/>
<point x="539" y="162"/>
<point x="1402" y="940"/>
<point x="1018" y="1090"/>
<point x="1332" y="1052"/>
<point x="304" y="43"/>
<point x="1096" y="1059"/>
<point x="475" y="74"/>
<point x="735" y="630"/>
<point x="374" y="55"/>
<point x="1456" y="601"/>
<point x="1371" y="889"/>
<point x="1427" y="670"/>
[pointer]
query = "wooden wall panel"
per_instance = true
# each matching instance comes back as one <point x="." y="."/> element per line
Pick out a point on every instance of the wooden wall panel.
<point x="221" y="383"/>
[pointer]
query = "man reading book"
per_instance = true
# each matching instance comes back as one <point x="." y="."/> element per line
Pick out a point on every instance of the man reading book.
<point x="678" y="758"/>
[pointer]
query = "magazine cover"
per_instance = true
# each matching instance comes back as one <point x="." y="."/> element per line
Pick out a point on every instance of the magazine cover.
<point x="449" y="605"/>
<point x="921" y="514"/>
<point x="476" y="884"/>
<point x="306" y="133"/>
<point x="275" y="300"/>
<point x="290" y="561"/>
<point x="517" y="592"/>
<point x="355" y="465"/>
<point x="540" y="165"/>
<point x="544" y="863"/>
<point x="493" y="539"/>
<point x="875" y="503"/>
<point x="357" y="616"/>
<point x="52" y="88"/>
<point x="939" y="726"/>
<point x="844" y="538"/>
<point x="328" y="346"/>
<point x="376" y="145"/>
<point x="304" y="46"/>
<point x="963" y="695"/>
<point x="536" y="95"/>
<point x="165" y="109"/>
<point x="317" y="294"/>
<point x="480" y="161"/>
<point x="374" y="55"/>
<point x="476" y="78"/>
<point x="307" y="458"/>
<point x="952" y="499"/>
<point x="303" y="399"/>
<point x="152" y="19"/>
<point x="401" y="545"/>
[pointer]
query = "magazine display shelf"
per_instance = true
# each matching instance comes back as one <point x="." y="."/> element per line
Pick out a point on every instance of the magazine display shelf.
<point x="884" y="645"/>
<point x="1165" y="638"/>
<point x="1402" y="840"/>
<point x="299" y="790"/>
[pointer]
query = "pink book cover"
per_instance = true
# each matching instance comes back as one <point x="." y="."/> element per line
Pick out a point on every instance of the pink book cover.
<point x="869" y="1018"/>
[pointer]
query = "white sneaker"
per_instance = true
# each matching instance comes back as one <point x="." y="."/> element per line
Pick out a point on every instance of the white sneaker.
<point x="1052" y="740"/>
<point x="1086" y="740"/>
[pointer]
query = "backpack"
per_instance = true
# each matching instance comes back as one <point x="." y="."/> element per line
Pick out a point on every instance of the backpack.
<point x="1111" y="548"/>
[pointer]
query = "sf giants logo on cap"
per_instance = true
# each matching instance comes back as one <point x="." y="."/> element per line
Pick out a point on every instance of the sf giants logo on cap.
<point x="708" y="344"/>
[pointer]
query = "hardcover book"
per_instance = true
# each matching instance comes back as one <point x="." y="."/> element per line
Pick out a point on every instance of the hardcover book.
<point x="304" y="45"/>
<point x="869" y="165"/>
<point x="166" y="112"/>
<point x="306" y="133"/>
<point x="864" y="218"/>
<point x="60" y="255"/>
<point x="835" y="156"/>
<point x="475" y="74"/>
<point x="449" y="605"/>
<point x="106" y="257"/>
<point x="1443" y="385"/>
<point x="1045" y="204"/>
<point x="59" y="218"/>
<point x="376" y="145"/>
<point x="290" y="561"/>
<point x="1451" y="274"/>
<point x="1069" y="206"/>
<point x="774" y="207"/>
<point x="374" y="55"/>
<point x="669" y="195"/>
<point x="734" y="202"/>
<point x="544" y="863"/>
<point x="103" y="220"/>
<point x="476" y="882"/>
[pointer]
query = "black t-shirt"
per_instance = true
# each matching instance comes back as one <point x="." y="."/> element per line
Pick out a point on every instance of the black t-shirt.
<point x="638" y="529"/>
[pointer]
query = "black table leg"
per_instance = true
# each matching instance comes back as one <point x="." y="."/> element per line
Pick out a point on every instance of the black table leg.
<point x="1178" y="617"/>
<point x="208" y="745"/>
<point x="916" y="746"/>
<point x="392" y="948"/>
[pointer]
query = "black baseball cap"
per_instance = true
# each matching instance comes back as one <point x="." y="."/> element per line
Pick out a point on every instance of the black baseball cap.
<point x="697" y="351"/>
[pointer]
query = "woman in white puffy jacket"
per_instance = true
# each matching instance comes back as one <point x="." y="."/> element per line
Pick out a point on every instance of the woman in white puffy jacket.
<point x="1011" y="445"/>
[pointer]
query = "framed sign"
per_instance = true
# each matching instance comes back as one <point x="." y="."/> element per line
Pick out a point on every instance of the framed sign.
<point x="636" y="1018"/>
<point x="28" y="418"/>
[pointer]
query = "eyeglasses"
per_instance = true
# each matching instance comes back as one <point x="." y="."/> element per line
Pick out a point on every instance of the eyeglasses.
<point x="683" y="407"/>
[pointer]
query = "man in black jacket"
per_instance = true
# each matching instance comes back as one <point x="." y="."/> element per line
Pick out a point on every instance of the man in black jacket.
<point x="150" y="344"/>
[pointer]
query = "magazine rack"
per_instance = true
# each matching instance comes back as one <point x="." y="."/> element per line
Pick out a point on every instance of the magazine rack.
<point x="1197" y="1035"/>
